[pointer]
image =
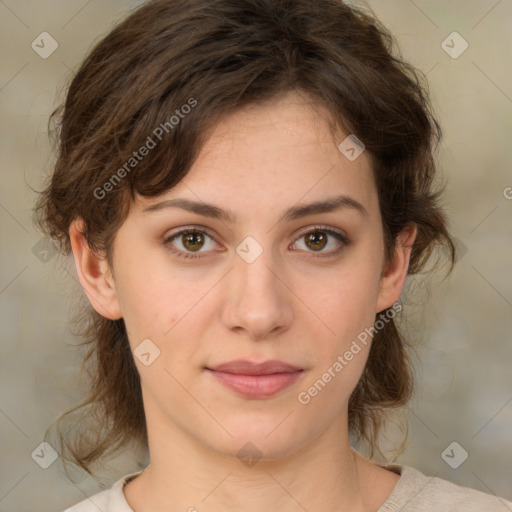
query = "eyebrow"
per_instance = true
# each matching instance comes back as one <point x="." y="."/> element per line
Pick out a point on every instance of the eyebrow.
<point x="293" y="213"/>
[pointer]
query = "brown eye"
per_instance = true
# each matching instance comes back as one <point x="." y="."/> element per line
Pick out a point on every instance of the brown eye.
<point x="189" y="241"/>
<point x="316" y="240"/>
<point x="193" y="240"/>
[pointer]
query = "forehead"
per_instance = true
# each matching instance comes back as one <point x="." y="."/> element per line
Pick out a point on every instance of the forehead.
<point x="279" y="152"/>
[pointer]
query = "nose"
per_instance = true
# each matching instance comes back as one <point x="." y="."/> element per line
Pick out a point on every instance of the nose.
<point x="257" y="300"/>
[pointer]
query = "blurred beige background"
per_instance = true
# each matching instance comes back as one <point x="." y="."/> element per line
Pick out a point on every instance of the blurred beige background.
<point x="462" y="330"/>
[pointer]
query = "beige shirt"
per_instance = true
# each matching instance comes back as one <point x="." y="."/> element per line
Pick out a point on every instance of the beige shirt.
<point x="414" y="492"/>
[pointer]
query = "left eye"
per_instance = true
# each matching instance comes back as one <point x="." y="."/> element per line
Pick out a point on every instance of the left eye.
<point x="318" y="238"/>
<point x="192" y="240"/>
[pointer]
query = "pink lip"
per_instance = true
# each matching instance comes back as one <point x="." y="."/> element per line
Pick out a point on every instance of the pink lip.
<point x="256" y="380"/>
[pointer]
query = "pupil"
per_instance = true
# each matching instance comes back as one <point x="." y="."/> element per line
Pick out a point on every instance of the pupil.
<point x="317" y="237"/>
<point x="191" y="239"/>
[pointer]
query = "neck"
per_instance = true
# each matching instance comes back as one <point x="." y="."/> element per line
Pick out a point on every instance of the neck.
<point x="185" y="475"/>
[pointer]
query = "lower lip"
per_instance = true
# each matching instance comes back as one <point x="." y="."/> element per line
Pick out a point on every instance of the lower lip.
<point x="257" y="386"/>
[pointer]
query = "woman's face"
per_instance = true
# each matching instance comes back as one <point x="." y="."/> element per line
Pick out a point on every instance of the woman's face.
<point x="261" y="278"/>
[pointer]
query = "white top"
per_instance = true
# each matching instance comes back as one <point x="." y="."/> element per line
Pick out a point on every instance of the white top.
<point x="414" y="492"/>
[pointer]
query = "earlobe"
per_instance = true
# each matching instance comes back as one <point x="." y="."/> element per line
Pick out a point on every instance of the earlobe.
<point x="393" y="279"/>
<point x="94" y="274"/>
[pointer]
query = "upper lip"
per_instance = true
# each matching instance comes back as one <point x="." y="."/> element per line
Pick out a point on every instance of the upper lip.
<point x="244" y="367"/>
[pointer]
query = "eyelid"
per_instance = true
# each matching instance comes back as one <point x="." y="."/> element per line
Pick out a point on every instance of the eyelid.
<point x="340" y="235"/>
<point x="327" y="229"/>
<point x="183" y="230"/>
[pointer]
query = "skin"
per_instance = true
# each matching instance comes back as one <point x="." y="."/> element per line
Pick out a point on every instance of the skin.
<point x="289" y="304"/>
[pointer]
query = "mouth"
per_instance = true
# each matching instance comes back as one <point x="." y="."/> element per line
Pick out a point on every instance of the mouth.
<point x="256" y="380"/>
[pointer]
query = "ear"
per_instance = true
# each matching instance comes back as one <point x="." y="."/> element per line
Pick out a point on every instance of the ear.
<point x="94" y="274"/>
<point x="393" y="278"/>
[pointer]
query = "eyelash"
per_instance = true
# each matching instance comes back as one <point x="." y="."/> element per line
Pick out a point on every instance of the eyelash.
<point x="191" y="230"/>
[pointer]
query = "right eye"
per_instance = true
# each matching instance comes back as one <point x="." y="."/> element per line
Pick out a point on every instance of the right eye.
<point x="191" y="240"/>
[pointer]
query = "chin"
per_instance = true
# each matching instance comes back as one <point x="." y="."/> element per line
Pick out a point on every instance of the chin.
<point x="260" y="440"/>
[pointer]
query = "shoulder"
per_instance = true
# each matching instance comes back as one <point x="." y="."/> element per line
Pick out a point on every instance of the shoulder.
<point x="111" y="500"/>
<point x="417" y="492"/>
<point x="94" y="503"/>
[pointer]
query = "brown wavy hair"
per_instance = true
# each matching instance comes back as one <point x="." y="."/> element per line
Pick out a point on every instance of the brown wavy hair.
<point x="226" y="54"/>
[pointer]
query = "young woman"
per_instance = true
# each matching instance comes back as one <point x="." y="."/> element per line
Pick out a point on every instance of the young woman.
<point x="244" y="186"/>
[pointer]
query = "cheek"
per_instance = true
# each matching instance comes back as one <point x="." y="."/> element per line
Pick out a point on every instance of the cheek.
<point x="140" y="304"/>
<point x="340" y="358"/>
<point x="345" y="301"/>
<point x="151" y="298"/>
<point x="346" y="305"/>
<point x="166" y="309"/>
